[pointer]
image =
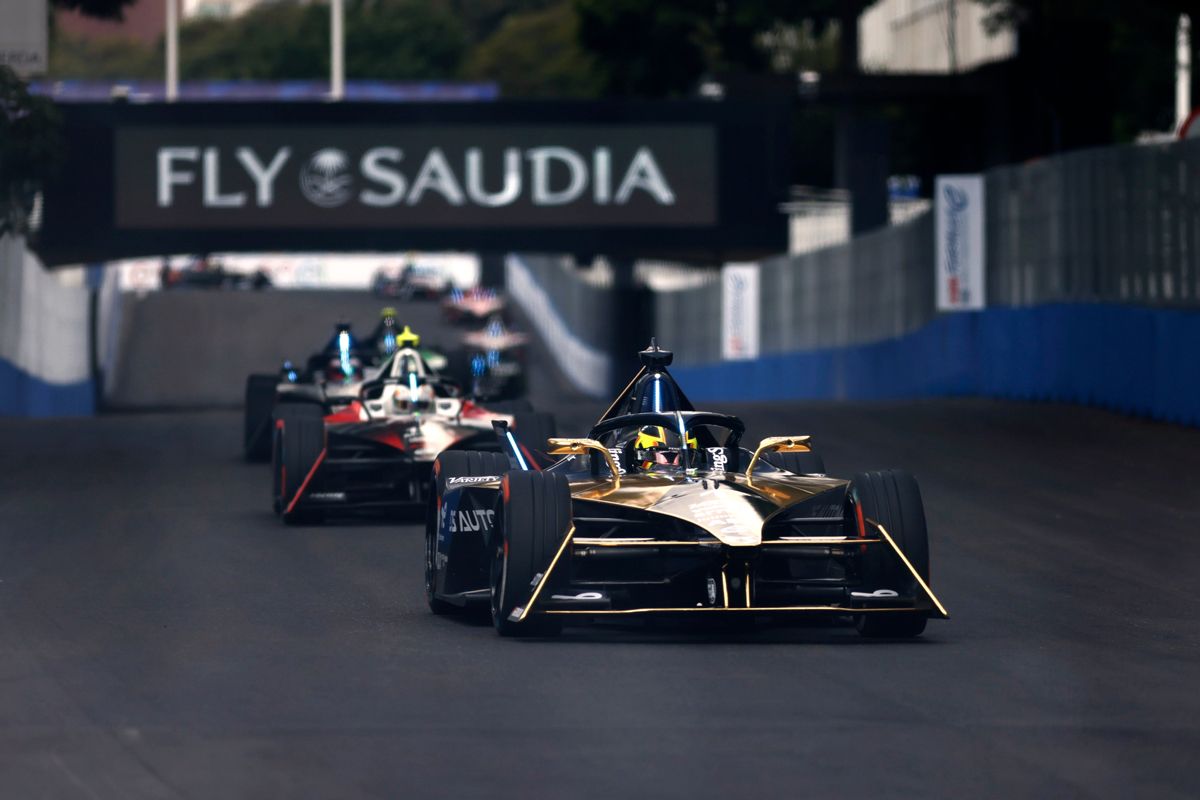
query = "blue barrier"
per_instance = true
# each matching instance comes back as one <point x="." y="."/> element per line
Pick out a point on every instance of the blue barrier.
<point x="23" y="395"/>
<point x="1131" y="359"/>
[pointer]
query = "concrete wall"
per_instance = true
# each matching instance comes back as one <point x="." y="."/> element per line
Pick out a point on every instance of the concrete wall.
<point x="193" y="349"/>
<point x="550" y="296"/>
<point x="44" y="341"/>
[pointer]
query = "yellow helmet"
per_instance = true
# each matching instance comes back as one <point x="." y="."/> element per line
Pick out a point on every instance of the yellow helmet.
<point x="654" y="438"/>
<point x="407" y="338"/>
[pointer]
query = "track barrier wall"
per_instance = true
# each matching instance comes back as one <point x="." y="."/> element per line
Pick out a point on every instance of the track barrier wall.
<point x="550" y="294"/>
<point x="194" y="348"/>
<point x="1093" y="288"/>
<point x="45" y="351"/>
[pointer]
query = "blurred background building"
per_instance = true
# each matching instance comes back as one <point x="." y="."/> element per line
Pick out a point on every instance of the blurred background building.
<point x="930" y="36"/>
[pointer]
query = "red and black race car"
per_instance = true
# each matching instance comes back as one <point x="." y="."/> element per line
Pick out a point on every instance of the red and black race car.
<point x="377" y="451"/>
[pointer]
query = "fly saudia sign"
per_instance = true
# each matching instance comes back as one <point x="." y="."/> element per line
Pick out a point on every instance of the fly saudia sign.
<point x="418" y="176"/>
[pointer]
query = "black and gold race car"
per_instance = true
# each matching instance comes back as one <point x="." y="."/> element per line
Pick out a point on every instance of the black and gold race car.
<point x="660" y="511"/>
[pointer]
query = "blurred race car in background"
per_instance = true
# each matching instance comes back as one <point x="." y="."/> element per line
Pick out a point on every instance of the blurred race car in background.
<point x="331" y="376"/>
<point x="376" y="452"/>
<point x="412" y="281"/>
<point x="205" y="273"/>
<point x="491" y="362"/>
<point x="659" y="511"/>
<point x="473" y="306"/>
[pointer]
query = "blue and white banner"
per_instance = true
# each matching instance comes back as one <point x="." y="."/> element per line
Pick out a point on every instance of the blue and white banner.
<point x="959" y="231"/>
<point x="44" y="344"/>
<point x="739" y="312"/>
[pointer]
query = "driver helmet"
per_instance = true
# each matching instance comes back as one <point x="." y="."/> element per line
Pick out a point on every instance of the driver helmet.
<point x="412" y="399"/>
<point x="658" y="445"/>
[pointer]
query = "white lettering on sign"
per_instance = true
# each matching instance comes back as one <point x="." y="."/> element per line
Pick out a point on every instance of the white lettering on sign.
<point x="557" y="176"/>
<point x="263" y="177"/>
<point x="169" y="176"/>
<point x="542" y="158"/>
<point x="644" y="174"/>
<point x="212" y="185"/>
<point x="436" y="176"/>
<point x="512" y="178"/>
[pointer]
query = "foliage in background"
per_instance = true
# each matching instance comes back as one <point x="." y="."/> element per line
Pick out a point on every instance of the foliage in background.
<point x="30" y="149"/>
<point x="1087" y="71"/>
<point x="1100" y="70"/>
<point x="102" y="9"/>
<point x="103" y="59"/>
<point x="555" y="67"/>
<point x="665" y="48"/>
<point x="385" y="40"/>
<point x="532" y="48"/>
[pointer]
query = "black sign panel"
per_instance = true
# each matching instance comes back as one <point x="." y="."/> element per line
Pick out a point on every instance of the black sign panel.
<point x="415" y="176"/>
<point x="686" y="179"/>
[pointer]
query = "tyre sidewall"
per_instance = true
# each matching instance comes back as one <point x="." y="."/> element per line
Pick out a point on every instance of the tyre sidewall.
<point x="535" y="517"/>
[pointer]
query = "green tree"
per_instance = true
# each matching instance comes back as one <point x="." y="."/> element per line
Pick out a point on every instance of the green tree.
<point x="385" y="39"/>
<point x="403" y="39"/>
<point x="482" y="18"/>
<point x="30" y="149"/>
<point x="537" y="54"/>
<point x="664" y="48"/>
<point x="272" y="41"/>
<point x="103" y="9"/>
<point x="103" y="59"/>
<point x="1097" y="71"/>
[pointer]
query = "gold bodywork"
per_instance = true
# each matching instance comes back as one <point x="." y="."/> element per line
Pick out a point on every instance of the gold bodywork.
<point x="758" y="501"/>
<point x="778" y="444"/>
<point x="729" y="506"/>
<point x="575" y="447"/>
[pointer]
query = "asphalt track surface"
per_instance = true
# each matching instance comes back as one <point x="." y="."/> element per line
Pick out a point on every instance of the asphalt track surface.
<point x="163" y="635"/>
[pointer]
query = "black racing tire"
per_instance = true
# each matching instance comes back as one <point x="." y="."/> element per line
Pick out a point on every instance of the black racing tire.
<point x="809" y="463"/>
<point x="893" y="499"/>
<point x="298" y="442"/>
<point x="451" y="464"/>
<point x="256" y="417"/>
<point x="535" y="518"/>
<point x="534" y="428"/>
